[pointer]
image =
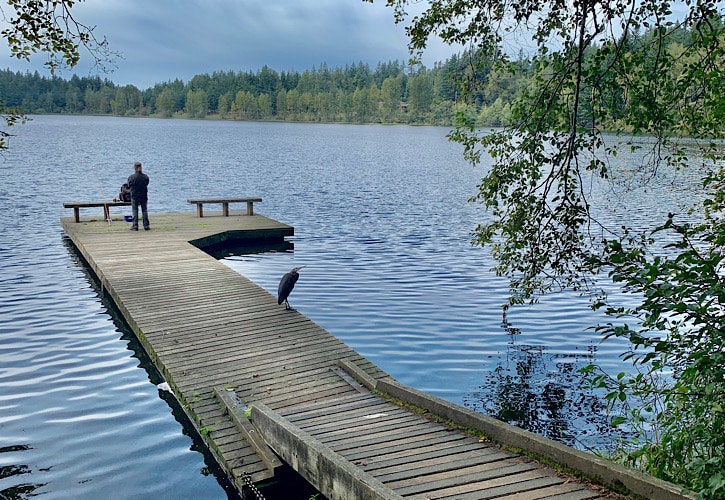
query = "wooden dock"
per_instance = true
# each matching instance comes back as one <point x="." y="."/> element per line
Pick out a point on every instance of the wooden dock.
<point x="229" y="352"/>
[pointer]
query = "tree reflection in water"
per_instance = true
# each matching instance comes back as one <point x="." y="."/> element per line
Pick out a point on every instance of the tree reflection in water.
<point x="11" y="474"/>
<point x="546" y="393"/>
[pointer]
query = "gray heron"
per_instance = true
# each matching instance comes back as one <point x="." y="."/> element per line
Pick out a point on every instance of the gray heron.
<point x="286" y="284"/>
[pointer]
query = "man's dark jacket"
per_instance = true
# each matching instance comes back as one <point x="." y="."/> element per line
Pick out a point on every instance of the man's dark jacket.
<point x="138" y="182"/>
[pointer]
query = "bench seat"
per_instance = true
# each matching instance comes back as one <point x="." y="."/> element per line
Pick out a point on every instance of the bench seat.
<point x="200" y="202"/>
<point x="77" y="205"/>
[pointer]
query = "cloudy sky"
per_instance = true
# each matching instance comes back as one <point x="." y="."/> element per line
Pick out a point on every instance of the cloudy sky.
<point x="161" y="40"/>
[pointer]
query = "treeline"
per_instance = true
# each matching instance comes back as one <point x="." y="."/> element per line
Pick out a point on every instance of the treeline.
<point x="391" y="93"/>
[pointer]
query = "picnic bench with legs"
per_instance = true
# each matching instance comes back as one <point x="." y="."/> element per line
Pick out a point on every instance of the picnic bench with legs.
<point x="199" y="202"/>
<point x="77" y="205"/>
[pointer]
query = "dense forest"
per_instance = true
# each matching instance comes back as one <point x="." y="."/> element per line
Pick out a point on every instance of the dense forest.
<point x="353" y="94"/>
<point x="391" y="93"/>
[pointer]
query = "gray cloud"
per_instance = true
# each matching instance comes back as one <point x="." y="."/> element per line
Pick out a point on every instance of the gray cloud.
<point x="166" y="39"/>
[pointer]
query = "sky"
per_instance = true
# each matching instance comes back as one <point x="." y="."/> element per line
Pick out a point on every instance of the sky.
<point x="161" y="40"/>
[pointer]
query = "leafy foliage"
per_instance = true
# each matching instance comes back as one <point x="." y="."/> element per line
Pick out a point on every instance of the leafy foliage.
<point x="50" y="28"/>
<point x="678" y="326"/>
<point x="629" y="67"/>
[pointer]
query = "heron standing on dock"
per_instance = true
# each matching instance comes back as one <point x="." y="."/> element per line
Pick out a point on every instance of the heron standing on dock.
<point x="286" y="284"/>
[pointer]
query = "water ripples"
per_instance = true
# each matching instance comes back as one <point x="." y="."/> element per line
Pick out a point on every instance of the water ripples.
<point x="79" y="418"/>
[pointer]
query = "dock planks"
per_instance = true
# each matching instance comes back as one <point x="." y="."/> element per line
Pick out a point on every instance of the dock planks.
<point x="209" y="329"/>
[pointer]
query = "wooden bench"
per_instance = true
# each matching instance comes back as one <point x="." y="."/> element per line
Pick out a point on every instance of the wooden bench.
<point x="77" y="205"/>
<point x="225" y="204"/>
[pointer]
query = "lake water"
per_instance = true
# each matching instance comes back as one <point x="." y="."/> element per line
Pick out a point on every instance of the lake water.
<point x="383" y="225"/>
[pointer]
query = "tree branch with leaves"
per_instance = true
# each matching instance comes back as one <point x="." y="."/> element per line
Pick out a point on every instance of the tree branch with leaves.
<point x="602" y="70"/>
<point x="49" y="27"/>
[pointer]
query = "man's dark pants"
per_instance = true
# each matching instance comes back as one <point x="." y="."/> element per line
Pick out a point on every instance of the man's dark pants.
<point x="144" y="213"/>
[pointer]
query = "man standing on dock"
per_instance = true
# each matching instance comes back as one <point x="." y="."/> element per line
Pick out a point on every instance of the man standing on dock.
<point x="138" y="182"/>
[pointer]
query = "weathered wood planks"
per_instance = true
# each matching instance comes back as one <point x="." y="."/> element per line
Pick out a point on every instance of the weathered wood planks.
<point x="210" y="330"/>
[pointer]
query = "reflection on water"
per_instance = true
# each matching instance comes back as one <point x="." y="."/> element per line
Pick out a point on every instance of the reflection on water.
<point x="80" y="417"/>
<point x="210" y="467"/>
<point x="20" y="489"/>
<point x="545" y="393"/>
<point x="246" y="247"/>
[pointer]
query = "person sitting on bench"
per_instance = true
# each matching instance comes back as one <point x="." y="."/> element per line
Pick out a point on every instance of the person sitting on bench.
<point x="125" y="194"/>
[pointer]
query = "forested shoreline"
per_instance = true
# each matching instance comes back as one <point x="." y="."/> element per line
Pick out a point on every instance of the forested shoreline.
<point x="393" y="92"/>
<point x="390" y="93"/>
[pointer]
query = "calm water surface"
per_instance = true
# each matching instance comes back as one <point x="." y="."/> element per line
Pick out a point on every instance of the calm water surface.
<point x="383" y="225"/>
